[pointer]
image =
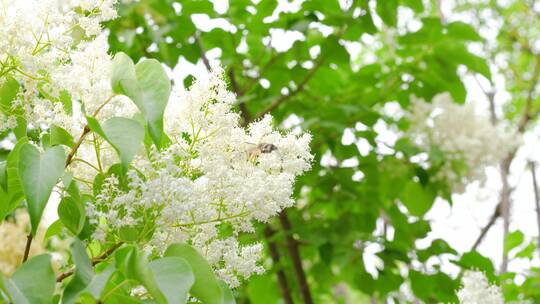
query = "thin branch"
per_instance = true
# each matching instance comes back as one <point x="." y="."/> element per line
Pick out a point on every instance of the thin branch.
<point x="490" y="95"/>
<point x="292" y="247"/>
<point x="505" y="205"/>
<point x="73" y="151"/>
<point x="276" y="103"/>
<point x="244" y="112"/>
<point x="95" y="261"/>
<point x="281" y="277"/>
<point x="488" y="226"/>
<point x="69" y="159"/>
<point x="27" y="247"/>
<point x="536" y="198"/>
<point x="503" y="208"/>
<point x="254" y="81"/>
<point x="505" y="165"/>
<point x="203" y="53"/>
<point x="527" y="115"/>
<point x="85" y="132"/>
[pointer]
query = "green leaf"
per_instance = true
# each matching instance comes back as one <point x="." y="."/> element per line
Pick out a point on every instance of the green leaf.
<point x="155" y="89"/>
<point x="72" y="214"/>
<point x="417" y="199"/>
<point x="3" y="175"/>
<point x="460" y="55"/>
<point x="33" y="282"/>
<point x="474" y="260"/>
<point x="135" y="267"/>
<point x="4" y="203"/>
<point x="83" y="273"/>
<point x="387" y="10"/>
<point x="463" y="31"/>
<point x="174" y="277"/>
<point x="228" y="297"/>
<point x="59" y="136"/>
<point x="416" y="5"/>
<point x="8" y="92"/>
<point x="123" y="79"/>
<point x="421" y="284"/>
<point x="437" y="247"/>
<point x="65" y="100"/>
<point x="513" y="240"/>
<point x="96" y="286"/>
<point x="206" y="287"/>
<point x="124" y="134"/>
<point x="14" y="187"/>
<point x="39" y="173"/>
<point x="54" y="229"/>
<point x="527" y="252"/>
<point x="147" y="85"/>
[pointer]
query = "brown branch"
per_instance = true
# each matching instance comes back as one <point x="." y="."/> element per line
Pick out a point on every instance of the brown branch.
<point x="281" y="277"/>
<point x="488" y="226"/>
<point x="69" y="159"/>
<point x="292" y="247"/>
<point x="505" y="165"/>
<point x="73" y="151"/>
<point x="244" y="112"/>
<point x="205" y="60"/>
<point x="100" y="258"/>
<point x="503" y="208"/>
<point x="490" y="95"/>
<point x="527" y="115"/>
<point x="27" y="247"/>
<point x="505" y="205"/>
<point x="253" y="81"/>
<point x="536" y="198"/>
<point x="276" y="103"/>
<point x="85" y="132"/>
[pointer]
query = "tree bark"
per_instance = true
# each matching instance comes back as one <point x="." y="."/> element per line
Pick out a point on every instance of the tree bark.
<point x="281" y="277"/>
<point x="536" y="199"/>
<point x="292" y="246"/>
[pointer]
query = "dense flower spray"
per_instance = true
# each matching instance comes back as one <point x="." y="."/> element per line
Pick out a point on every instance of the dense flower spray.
<point x="208" y="185"/>
<point x="468" y="141"/>
<point x="477" y="290"/>
<point x="57" y="53"/>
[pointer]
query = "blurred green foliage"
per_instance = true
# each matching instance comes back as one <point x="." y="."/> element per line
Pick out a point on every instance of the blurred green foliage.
<point x="405" y="48"/>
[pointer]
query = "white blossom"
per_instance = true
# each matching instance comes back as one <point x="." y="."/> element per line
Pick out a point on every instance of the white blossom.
<point x="477" y="290"/>
<point x="468" y="141"/>
<point x="207" y="180"/>
<point x="56" y="51"/>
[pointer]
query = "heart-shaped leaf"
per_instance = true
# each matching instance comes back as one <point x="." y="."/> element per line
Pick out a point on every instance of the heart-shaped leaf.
<point x="124" y="134"/>
<point x="174" y="277"/>
<point x="13" y="183"/>
<point x="72" y="214"/>
<point x="147" y="85"/>
<point x="168" y="279"/>
<point x="32" y="283"/>
<point x="83" y="273"/>
<point x="39" y="173"/>
<point x="206" y="287"/>
<point x="8" y="91"/>
<point x="98" y="283"/>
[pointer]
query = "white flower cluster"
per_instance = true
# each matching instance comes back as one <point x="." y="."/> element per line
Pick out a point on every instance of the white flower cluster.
<point x="469" y="141"/>
<point x="56" y="51"/>
<point x="210" y="184"/>
<point x="477" y="290"/>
